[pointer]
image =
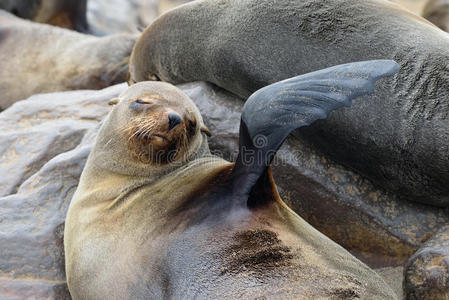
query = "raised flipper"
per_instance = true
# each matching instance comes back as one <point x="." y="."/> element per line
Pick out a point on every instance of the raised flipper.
<point x="273" y="112"/>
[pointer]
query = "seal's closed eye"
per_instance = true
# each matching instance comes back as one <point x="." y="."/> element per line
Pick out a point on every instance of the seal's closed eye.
<point x="143" y="101"/>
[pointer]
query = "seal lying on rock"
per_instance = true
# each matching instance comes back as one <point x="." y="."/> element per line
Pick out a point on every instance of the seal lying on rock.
<point x="437" y="12"/>
<point x="398" y="138"/>
<point x="157" y="216"/>
<point x="64" y="13"/>
<point x="38" y="58"/>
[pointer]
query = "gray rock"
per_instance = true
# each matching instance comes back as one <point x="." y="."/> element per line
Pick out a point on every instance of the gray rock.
<point x="32" y="219"/>
<point x="43" y="126"/>
<point x="426" y="275"/>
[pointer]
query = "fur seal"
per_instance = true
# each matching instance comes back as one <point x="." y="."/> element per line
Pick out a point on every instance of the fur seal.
<point x="398" y="138"/>
<point x="39" y="58"/>
<point x="191" y="225"/>
<point x="69" y="14"/>
<point x="437" y="12"/>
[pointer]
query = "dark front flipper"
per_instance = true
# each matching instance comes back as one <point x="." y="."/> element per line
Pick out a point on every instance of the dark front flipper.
<point x="273" y="112"/>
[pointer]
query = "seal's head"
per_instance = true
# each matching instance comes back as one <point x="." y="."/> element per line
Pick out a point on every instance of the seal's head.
<point x="153" y="124"/>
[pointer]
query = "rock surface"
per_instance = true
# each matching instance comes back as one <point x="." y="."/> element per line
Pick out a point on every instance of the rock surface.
<point x="427" y="271"/>
<point x="32" y="218"/>
<point x="44" y="165"/>
<point x="36" y="130"/>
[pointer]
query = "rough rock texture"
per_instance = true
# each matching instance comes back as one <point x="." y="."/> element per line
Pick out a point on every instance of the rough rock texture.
<point x="426" y="275"/>
<point x="437" y="12"/>
<point x="36" y="130"/>
<point x="39" y="58"/>
<point x="32" y="218"/>
<point x="372" y="224"/>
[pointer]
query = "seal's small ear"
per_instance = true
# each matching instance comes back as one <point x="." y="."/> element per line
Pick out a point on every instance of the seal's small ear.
<point x="206" y="130"/>
<point x="153" y="77"/>
<point x="128" y="79"/>
<point x="114" y="101"/>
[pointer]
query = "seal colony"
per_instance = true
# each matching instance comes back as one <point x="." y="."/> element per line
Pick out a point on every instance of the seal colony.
<point x="398" y="137"/>
<point x="70" y="60"/>
<point x="157" y="216"/>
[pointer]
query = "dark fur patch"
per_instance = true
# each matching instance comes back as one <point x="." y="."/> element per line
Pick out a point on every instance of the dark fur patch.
<point x="255" y="250"/>
<point x="344" y="294"/>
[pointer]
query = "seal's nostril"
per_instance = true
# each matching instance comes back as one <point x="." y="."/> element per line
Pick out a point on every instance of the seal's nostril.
<point x="173" y="120"/>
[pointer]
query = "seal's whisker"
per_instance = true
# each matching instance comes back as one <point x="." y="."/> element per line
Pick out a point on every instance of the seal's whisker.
<point x="136" y="133"/>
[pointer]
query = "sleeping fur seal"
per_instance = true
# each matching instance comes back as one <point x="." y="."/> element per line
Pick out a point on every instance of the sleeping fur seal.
<point x="39" y="58"/>
<point x="64" y="13"/>
<point x="156" y="216"/>
<point x="398" y="137"/>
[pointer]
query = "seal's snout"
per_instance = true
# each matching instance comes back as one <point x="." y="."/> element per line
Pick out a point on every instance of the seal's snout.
<point x="173" y="120"/>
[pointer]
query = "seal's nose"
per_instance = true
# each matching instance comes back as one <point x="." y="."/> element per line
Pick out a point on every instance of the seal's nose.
<point x="173" y="120"/>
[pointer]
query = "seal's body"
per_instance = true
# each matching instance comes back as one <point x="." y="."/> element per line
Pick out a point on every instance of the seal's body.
<point x="38" y="58"/>
<point x="64" y="13"/>
<point x="398" y="138"/>
<point x="437" y="12"/>
<point x="156" y="216"/>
